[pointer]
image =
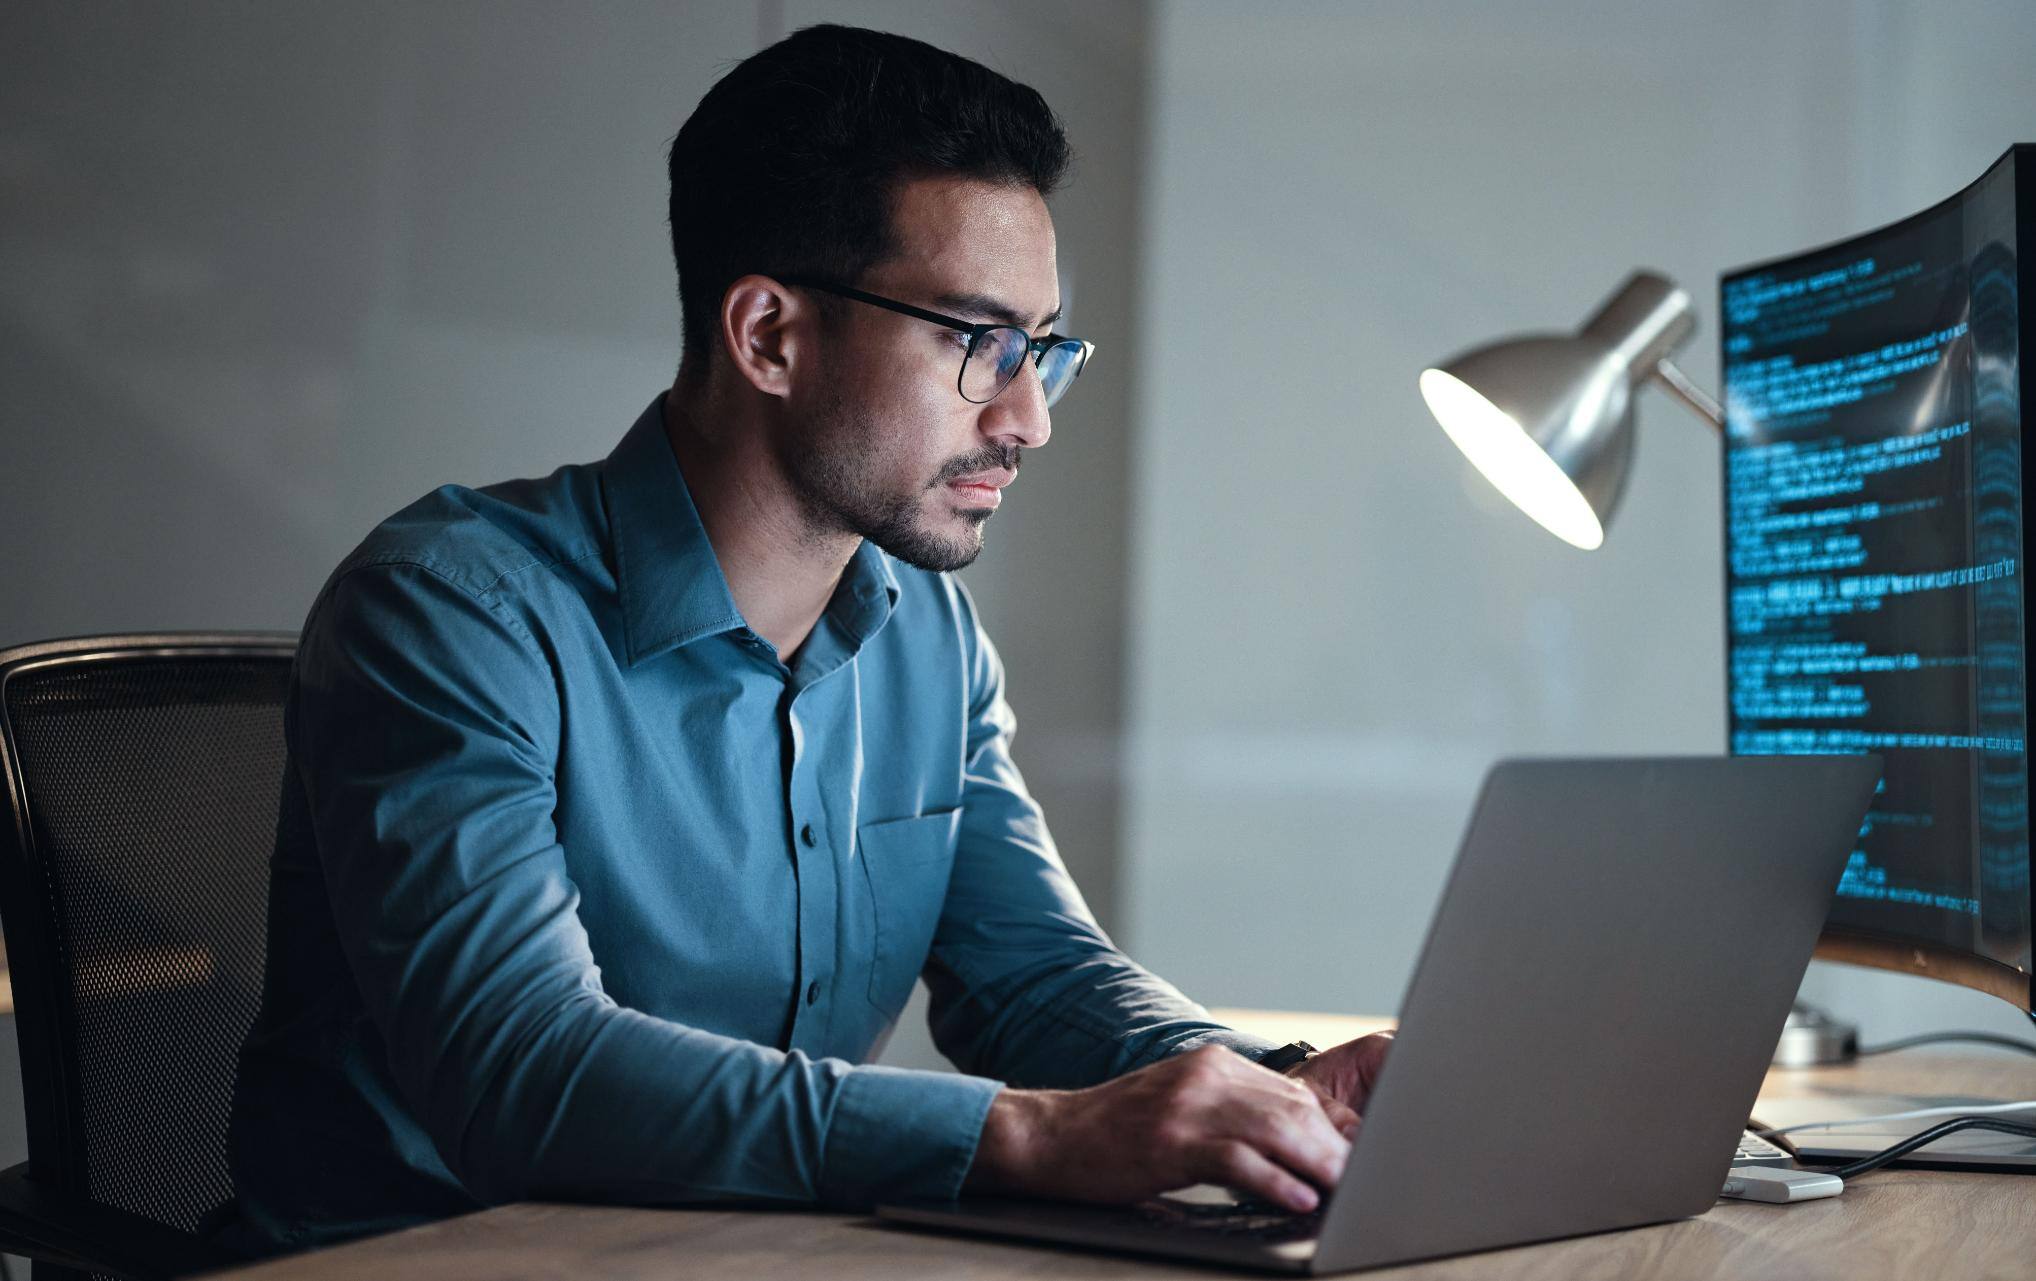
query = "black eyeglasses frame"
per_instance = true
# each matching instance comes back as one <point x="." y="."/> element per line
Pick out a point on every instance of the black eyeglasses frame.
<point x="1037" y="347"/>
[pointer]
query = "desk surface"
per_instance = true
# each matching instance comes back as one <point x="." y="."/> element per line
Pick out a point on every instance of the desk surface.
<point x="1895" y="1223"/>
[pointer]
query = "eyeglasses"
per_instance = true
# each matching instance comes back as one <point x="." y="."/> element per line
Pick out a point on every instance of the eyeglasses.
<point x="995" y="352"/>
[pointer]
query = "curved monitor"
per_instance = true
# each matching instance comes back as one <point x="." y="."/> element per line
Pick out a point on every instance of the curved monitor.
<point x="1874" y="564"/>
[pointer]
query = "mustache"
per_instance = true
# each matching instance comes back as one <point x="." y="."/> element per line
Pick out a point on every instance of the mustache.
<point x="988" y="458"/>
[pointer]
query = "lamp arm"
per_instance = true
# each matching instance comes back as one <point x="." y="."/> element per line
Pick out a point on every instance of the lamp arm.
<point x="1694" y="398"/>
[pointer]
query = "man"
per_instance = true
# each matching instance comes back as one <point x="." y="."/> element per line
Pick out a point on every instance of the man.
<point x="626" y="805"/>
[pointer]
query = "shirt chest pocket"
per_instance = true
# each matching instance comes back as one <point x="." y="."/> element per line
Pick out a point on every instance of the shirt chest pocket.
<point x="905" y="865"/>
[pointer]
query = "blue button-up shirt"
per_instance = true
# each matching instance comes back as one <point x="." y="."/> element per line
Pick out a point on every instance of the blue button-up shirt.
<point x="581" y="892"/>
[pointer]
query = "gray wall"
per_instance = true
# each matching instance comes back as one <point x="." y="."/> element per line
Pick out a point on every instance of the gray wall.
<point x="1338" y="623"/>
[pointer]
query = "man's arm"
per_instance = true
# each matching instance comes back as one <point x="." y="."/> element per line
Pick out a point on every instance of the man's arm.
<point x="425" y="724"/>
<point x="1148" y="1094"/>
<point x="1025" y="985"/>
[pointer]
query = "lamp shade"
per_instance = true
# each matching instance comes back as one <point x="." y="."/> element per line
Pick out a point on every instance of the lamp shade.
<point x="1548" y="418"/>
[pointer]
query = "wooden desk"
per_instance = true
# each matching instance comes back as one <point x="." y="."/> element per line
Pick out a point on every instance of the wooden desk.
<point x="1894" y="1224"/>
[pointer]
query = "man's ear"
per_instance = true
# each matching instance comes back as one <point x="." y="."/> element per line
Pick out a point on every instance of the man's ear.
<point x="760" y="332"/>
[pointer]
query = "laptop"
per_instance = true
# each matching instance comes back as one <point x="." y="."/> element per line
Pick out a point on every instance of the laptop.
<point x="1585" y="1033"/>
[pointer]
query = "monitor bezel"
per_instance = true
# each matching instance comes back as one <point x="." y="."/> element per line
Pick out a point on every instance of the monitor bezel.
<point x="1848" y="944"/>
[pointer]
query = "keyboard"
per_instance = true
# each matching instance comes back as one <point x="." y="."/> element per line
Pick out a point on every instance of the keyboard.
<point x="1754" y="1150"/>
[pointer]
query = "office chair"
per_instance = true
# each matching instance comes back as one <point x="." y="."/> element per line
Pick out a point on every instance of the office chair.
<point x="142" y="775"/>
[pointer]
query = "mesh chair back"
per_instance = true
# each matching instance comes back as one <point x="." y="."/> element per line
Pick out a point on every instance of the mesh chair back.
<point x="145" y="774"/>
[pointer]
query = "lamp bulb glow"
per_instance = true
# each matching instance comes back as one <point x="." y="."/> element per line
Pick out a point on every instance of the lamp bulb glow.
<point x="1508" y="457"/>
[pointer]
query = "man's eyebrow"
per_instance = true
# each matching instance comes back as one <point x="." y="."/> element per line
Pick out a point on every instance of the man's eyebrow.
<point x="982" y="306"/>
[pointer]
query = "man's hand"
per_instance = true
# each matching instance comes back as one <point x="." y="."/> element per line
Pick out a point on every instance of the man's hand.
<point x="1344" y="1075"/>
<point x="1207" y="1116"/>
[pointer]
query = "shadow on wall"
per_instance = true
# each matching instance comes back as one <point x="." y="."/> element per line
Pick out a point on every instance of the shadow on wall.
<point x="157" y="496"/>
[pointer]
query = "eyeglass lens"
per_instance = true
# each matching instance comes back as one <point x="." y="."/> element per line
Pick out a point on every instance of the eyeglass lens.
<point x="994" y="359"/>
<point x="1058" y="366"/>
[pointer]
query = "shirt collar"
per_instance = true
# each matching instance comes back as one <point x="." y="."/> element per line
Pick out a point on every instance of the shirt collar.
<point x="868" y="592"/>
<point x="672" y="588"/>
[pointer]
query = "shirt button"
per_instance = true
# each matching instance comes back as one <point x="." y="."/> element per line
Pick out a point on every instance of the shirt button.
<point x="806" y="835"/>
<point x="813" y="992"/>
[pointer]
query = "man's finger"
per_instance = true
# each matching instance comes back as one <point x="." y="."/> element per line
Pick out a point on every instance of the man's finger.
<point x="1299" y="1137"/>
<point x="1247" y="1173"/>
<point x="1371" y="1058"/>
<point x="1343" y="1118"/>
<point x="1340" y="1114"/>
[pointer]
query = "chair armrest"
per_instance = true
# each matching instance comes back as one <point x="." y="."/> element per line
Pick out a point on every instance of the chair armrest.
<point x="76" y="1233"/>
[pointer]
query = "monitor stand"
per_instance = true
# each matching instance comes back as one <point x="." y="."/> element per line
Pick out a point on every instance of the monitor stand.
<point x="1812" y="1038"/>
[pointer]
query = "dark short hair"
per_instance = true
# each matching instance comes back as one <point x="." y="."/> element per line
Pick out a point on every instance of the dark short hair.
<point x="789" y="164"/>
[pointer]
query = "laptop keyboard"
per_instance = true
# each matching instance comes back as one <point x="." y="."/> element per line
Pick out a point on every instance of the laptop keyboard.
<point x="1754" y="1150"/>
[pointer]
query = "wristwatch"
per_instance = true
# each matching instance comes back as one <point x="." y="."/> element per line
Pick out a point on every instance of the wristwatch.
<point x="1288" y="1055"/>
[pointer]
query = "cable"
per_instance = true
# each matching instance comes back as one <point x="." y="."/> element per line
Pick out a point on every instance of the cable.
<point x="1935" y="1038"/>
<point x="1867" y="1165"/>
<point x="1918" y="1114"/>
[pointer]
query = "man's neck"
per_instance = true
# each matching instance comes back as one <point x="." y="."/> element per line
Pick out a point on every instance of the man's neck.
<point x="781" y="571"/>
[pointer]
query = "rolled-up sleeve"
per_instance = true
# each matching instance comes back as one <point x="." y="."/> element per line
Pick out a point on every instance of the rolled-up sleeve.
<point x="1024" y="984"/>
<point x="426" y="724"/>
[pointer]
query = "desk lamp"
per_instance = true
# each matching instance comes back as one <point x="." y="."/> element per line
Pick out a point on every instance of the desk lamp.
<point x="1548" y="418"/>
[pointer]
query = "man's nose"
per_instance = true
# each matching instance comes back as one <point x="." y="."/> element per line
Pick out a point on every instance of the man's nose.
<point x="1018" y="415"/>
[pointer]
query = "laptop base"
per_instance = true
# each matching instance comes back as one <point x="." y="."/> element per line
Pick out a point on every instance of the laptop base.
<point x="1124" y="1231"/>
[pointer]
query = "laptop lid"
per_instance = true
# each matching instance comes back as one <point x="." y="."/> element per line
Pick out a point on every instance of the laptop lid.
<point x="1599" y="996"/>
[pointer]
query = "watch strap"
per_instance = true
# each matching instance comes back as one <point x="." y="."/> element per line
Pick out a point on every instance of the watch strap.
<point x="1288" y="1055"/>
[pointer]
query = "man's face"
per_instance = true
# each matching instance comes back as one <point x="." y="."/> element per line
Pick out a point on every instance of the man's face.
<point x="883" y="445"/>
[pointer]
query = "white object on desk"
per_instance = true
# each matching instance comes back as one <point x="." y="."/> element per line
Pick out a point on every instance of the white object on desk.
<point x="1765" y="1183"/>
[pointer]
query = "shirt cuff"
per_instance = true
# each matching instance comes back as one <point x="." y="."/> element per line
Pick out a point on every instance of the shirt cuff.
<point x="903" y="1135"/>
<point x="1251" y="1047"/>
